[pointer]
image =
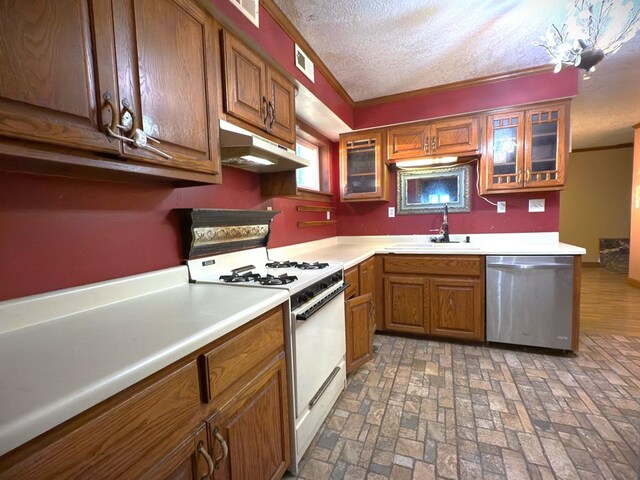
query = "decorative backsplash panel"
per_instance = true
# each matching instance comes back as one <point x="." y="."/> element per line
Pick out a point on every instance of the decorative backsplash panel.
<point x="214" y="231"/>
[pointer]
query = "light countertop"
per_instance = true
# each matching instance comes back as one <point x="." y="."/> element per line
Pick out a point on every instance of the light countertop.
<point x="53" y="369"/>
<point x="353" y="250"/>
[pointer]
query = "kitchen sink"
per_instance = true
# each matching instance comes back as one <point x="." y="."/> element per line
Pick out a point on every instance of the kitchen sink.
<point x="431" y="247"/>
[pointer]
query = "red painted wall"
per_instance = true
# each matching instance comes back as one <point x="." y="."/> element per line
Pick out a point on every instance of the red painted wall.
<point x="517" y="91"/>
<point x="58" y="232"/>
<point x="371" y="218"/>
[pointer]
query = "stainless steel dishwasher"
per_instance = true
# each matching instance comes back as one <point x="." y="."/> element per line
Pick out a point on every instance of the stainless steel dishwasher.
<point x="530" y="300"/>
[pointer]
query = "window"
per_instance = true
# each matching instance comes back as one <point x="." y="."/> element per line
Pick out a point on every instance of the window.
<point x="313" y="182"/>
<point x="308" y="177"/>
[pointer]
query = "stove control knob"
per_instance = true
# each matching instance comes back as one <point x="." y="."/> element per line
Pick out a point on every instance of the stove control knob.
<point x="302" y="298"/>
<point x="324" y="286"/>
<point x="336" y="278"/>
<point x="309" y="294"/>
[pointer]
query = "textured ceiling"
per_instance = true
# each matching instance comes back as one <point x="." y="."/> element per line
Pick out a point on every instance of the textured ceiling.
<point x="376" y="48"/>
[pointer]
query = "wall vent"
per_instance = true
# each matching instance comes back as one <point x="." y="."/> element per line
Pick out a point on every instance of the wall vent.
<point x="250" y="9"/>
<point x="304" y="63"/>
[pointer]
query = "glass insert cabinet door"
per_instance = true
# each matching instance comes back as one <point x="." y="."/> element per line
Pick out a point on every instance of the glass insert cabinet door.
<point x="505" y="152"/>
<point x="544" y="157"/>
<point x="361" y="166"/>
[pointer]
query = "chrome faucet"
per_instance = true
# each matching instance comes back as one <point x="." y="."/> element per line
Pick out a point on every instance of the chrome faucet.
<point x="444" y="229"/>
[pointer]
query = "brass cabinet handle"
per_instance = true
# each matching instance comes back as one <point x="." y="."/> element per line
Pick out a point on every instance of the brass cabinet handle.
<point x="273" y="114"/>
<point x="527" y="175"/>
<point x="265" y="115"/>
<point x="434" y="142"/>
<point x="110" y="129"/>
<point x="127" y="119"/>
<point x="426" y="145"/>
<point x="203" y="451"/>
<point x="519" y="176"/>
<point x="223" y="444"/>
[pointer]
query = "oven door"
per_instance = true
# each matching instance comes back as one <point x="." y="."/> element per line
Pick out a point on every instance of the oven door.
<point x="320" y="347"/>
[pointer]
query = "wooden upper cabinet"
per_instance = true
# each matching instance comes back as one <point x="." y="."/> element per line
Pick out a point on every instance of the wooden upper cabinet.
<point x="57" y="62"/>
<point x="245" y="73"/>
<point x="526" y="150"/>
<point x="458" y="136"/>
<point x="256" y="93"/>
<point x="408" y="142"/>
<point x="363" y="173"/>
<point x="166" y="54"/>
<point x="281" y="101"/>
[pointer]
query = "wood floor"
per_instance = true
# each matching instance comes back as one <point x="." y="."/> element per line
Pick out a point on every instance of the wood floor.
<point x="608" y="303"/>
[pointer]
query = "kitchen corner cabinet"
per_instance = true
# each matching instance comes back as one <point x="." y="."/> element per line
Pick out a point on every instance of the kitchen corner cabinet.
<point x="456" y="136"/>
<point x="169" y="426"/>
<point x="437" y="295"/>
<point x="363" y="172"/>
<point x="360" y="317"/>
<point x="256" y="93"/>
<point x="526" y="149"/>
<point x="123" y="73"/>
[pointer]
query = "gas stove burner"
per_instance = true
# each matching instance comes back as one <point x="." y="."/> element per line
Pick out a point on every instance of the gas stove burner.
<point x="240" y="278"/>
<point x="283" y="264"/>
<point x="312" y="266"/>
<point x="279" y="280"/>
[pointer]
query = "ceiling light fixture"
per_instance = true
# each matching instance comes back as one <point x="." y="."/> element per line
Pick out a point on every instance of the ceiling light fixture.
<point x="425" y="162"/>
<point x="593" y="30"/>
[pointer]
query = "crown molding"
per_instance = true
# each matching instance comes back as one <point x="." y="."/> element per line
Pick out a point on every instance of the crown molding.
<point x="525" y="72"/>
<point x="605" y="147"/>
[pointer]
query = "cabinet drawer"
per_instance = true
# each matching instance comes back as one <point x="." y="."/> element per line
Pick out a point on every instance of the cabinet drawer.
<point x="119" y="439"/>
<point x="239" y="355"/>
<point x="353" y="279"/>
<point x="434" y="264"/>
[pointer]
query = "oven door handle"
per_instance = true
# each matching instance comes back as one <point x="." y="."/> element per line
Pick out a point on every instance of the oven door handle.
<point x="317" y="306"/>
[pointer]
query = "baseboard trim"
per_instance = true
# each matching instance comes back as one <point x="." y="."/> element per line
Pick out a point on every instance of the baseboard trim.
<point x="633" y="282"/>
<point x="591" y="264"/>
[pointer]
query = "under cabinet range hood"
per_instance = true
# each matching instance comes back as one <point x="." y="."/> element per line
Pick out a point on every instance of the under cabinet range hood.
<point x="242" y="149"/>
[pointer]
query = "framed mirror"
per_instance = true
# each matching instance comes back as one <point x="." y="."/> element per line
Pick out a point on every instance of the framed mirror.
<point x="429" y="190"/>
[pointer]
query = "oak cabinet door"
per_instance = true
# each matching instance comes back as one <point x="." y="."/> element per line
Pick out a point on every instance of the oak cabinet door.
<point x="408" y="142"/>
<point x="406" y="304"/>
<point x="281" y="100"/>
<point x="456" y="308"/>
<point x="166" y="53"/>
<point x="457" y="136"/>
<point x="367" y="270"/>
<point x="189" y="460"/>
<point x="359" y="333"/>
<point x="363" y="173"/>
<point x="57" y="62"/>
<point x="545" y="139"/>
<point x="253" y="429"/>
<point x="244" y="73"/>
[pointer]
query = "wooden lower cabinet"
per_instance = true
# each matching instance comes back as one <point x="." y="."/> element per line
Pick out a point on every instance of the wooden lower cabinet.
<point x="360" y="313"/>
<point x="250" y="434"/>
<point x="168" y="427"/>
<point x="437" y="295"/>
<point x="456" y="308"/>
<point x="359" y="333"/>
<point x="190" y="460"/>
<point x="406" y="304"/>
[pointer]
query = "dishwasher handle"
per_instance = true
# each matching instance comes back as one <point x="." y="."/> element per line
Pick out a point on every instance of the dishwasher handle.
<point x="530" y="266"/>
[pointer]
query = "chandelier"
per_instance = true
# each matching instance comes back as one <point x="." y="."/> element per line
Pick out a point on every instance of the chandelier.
<point x="593" y="30"/>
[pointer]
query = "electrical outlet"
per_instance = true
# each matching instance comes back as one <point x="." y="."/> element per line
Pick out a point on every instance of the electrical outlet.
<point x="501" y="207"/>
<point x="328" y="215"/>
<point x="392" y="212"/>
<point x="269" y="208"/>
<point x="536" y="205"/>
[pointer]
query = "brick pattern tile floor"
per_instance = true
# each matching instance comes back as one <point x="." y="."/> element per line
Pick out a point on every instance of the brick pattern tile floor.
<point x="424" y="409"/>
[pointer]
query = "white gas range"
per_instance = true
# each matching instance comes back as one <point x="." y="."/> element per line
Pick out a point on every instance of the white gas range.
<point x="316" y="331"/>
